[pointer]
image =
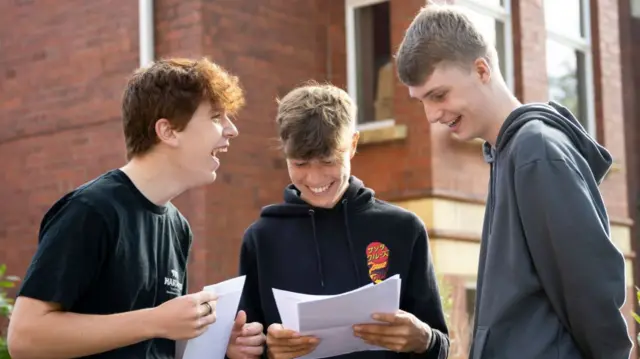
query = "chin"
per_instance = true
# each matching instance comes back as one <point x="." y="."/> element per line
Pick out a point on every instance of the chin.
<point x="204" y="179"/>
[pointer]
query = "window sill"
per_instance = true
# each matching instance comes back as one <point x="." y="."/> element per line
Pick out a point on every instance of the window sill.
<point x="381" y="132"/>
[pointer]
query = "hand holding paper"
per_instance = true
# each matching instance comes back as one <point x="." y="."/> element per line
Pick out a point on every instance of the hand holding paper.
<point x="247" y="340"/>
<point x="331" y="318"/>
<point x="400" y="332"/>
<point x="185" y="317"/>
<point x="214" y="340"/>
<point x="287" y="344"/>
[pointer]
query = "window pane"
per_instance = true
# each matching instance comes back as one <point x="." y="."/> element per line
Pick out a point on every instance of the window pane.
<point x="635" y="8"/>
<point x="565" y="68"/>
<point x="564" y="16"/>
<point x="374" y="68"/>
<point x="493" y="31"/>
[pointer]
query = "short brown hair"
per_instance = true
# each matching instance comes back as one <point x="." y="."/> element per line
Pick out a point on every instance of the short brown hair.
<point x="314" y="121"/>
<point x="173" y="89"/>
<point x="439" y="34"/>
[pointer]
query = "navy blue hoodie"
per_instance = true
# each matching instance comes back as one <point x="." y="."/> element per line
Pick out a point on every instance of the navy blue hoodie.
<point x="296" y="247"/>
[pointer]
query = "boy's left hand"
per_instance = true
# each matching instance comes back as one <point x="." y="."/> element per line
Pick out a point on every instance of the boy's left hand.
<point x="247" y="339"/>
<point x="400" y="332"/>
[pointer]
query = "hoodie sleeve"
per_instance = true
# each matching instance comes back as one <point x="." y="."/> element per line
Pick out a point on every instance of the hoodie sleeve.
<point x="423" y="298"/>
<point x="580" y="269"/>
<point x="250" y="299"/>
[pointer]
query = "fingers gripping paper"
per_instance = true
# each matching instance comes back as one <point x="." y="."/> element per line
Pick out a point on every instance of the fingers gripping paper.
<point x="212" y="344"/>
<point x="331" y="318"/>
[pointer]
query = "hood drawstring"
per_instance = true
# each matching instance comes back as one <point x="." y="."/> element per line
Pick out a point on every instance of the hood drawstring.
<point x="315" y="240"/>
<point x="349" y="243"/>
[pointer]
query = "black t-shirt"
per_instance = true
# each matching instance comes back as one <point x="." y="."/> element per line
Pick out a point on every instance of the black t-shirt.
<point x="104" y="248"/>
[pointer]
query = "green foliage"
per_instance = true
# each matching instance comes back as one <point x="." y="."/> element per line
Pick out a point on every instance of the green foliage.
<point x="445" y="296"/>
<point x="6" y="305"/>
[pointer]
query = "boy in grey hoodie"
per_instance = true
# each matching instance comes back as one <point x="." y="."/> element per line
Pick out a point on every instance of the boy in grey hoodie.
<point x="550" y="281"/>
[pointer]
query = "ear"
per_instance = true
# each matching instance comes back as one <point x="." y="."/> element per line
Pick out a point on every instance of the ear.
<point x="354" y="143"/>
<point x="165" y="132"/>
<point x="483" y="69"/>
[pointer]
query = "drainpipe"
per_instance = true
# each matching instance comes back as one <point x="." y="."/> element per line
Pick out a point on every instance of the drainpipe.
<point x="145" y="31"/>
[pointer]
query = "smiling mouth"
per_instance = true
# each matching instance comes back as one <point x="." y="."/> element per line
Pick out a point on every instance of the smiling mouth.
<point x="454" y="122"/>
<point x="320" y="190"/>
<point x="215" y="151"/>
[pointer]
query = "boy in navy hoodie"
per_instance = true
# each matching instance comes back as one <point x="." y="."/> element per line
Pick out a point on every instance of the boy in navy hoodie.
<point x="331" y="235"/>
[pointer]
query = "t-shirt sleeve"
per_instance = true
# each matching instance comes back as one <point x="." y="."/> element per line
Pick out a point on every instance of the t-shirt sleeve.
<point x="73" y="245"/>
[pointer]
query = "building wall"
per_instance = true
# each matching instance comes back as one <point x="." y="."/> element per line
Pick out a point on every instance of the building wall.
<point x="62" y="74"/>
<point x="629" y="11"/>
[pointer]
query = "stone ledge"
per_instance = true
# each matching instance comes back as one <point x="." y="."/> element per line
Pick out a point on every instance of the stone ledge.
<point x="383" y="134"/>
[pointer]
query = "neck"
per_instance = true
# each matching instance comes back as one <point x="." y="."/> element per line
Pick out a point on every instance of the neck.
<point x="154" y="178"/>
<point x="503" y="103"/>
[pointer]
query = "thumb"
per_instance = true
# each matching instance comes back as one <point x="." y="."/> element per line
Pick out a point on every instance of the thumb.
<point x="241" y="320"/>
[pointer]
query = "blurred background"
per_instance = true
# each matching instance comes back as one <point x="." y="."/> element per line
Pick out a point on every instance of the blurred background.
<point x="64" y="64"/>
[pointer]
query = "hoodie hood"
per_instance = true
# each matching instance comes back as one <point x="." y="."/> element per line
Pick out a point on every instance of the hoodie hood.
<point x="559" y="117"/>
<point x="356" y="198"/>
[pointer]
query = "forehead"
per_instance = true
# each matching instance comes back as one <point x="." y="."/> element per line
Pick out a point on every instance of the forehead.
<point x="442" y="77"/>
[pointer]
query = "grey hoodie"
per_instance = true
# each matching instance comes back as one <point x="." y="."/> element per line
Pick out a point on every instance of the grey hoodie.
<point x="550" y="281"/>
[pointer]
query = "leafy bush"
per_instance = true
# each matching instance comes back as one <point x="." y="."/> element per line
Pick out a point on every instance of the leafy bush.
<point x="6" y="305"/>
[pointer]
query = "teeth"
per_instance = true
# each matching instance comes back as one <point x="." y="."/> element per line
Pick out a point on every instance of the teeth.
<point x="319" y="189"/>
<point x="221" y="149"/>
<point x="453" y="123"/>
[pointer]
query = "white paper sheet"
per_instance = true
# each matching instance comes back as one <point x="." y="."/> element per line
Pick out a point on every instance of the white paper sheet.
<point x="331" y="318"/>
<point x="212" y="344"/>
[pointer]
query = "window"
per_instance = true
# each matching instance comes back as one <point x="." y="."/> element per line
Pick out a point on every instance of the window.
<point x="493" y="18"/>
<point x="635" y="8"/>
<point x="370" y="76"/>
<point x="569" y="64"/>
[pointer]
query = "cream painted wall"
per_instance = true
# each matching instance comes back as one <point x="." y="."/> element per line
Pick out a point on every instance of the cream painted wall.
<point x="451" y="220"/>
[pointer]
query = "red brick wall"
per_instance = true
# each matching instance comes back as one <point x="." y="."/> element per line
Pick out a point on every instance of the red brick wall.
<point x="62" y="68"/>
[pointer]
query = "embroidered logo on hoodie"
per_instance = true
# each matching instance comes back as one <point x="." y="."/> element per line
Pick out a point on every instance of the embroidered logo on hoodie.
<point x="378" y="261"/>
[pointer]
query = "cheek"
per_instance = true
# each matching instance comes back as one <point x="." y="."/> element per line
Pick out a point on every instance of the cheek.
<point x="295" y="174"/>
<point x="342" y="171"/>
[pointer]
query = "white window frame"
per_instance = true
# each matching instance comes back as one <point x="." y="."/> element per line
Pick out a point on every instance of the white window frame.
<point x="352" y="82"/>
<point x="582" y="44"/>
<point x="502" y="14"/>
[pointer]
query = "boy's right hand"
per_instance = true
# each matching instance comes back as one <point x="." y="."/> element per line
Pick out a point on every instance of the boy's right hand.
<point x="286" y="344"/>
<point x="185" y="317"/>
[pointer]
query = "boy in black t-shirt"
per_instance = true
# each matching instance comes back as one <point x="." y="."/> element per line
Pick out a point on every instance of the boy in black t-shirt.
<point x="109" y="278"/>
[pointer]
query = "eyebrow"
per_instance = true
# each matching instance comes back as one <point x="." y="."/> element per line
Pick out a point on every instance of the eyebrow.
<point x="435" y="89"/>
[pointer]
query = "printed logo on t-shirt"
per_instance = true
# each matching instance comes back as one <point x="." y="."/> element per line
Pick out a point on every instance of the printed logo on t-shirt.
<point x="173" y="284"/>
<point x="377" y="261"/>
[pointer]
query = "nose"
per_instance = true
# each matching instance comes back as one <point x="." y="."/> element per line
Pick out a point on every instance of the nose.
<point x="433" y="114"/>
<point x="230" y="130"/>
<point x="314" y="176"/>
